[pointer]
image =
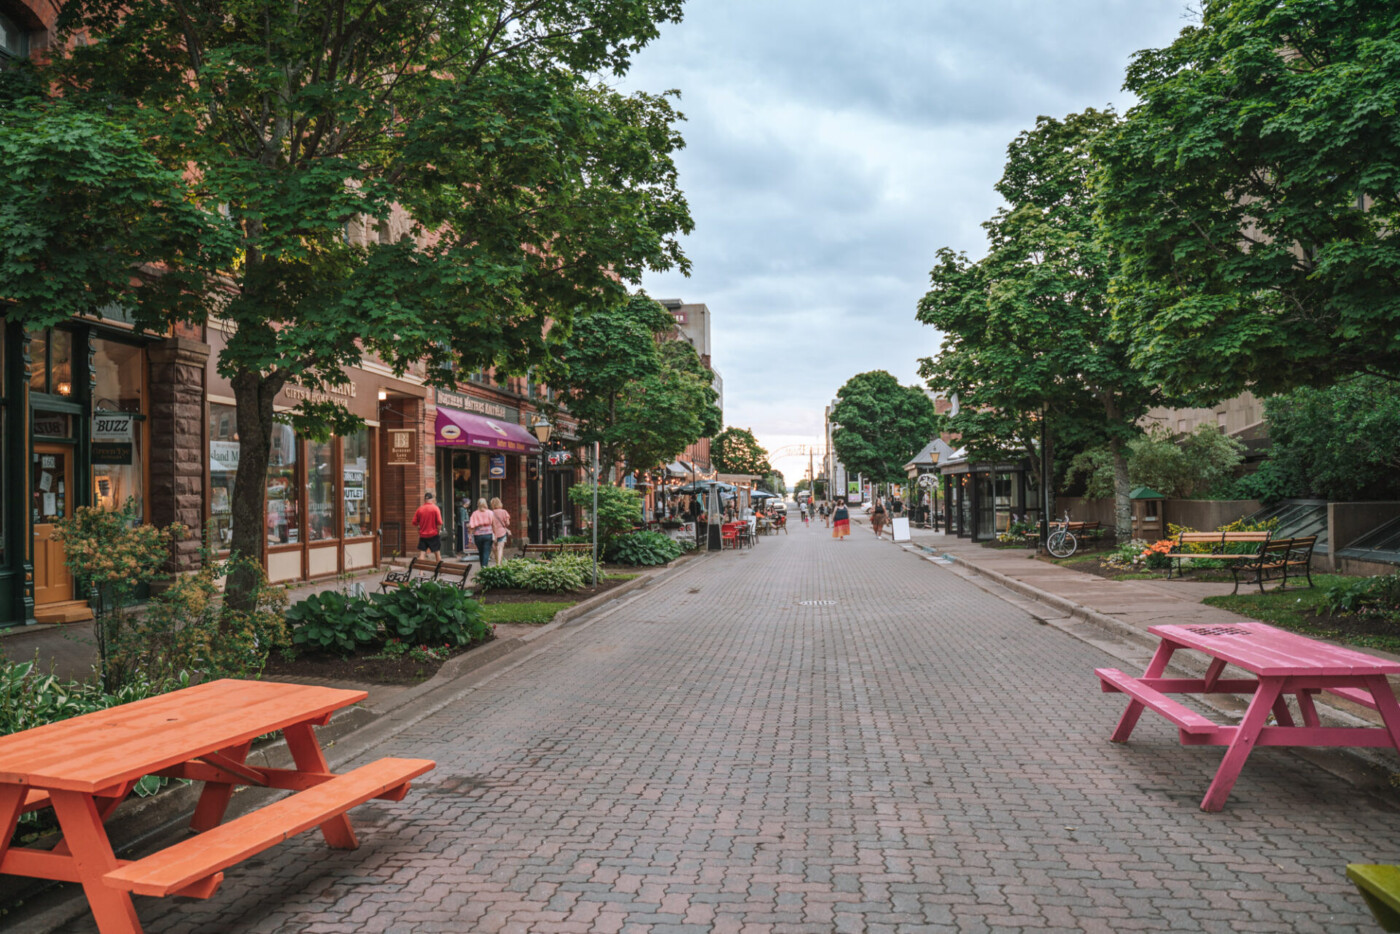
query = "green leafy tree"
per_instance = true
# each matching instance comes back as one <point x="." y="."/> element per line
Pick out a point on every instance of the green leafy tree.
<point x="1340" y="443"/>
<point x="1251" y="202"/>
<point x="1193" y="465"/>
<point x="504" y="183"/>
<point x="736" y="450"/>
<point x="641" y="397"/>
<point x="774" y="482"/>
<point x="881" y="425"/>
<point x="1027" y="329"/>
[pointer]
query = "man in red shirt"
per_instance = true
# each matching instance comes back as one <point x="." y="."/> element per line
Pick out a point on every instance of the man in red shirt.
<point x="429" y="521"/>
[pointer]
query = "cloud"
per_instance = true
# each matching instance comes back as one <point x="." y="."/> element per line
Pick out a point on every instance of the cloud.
<point x="833" y="147"/>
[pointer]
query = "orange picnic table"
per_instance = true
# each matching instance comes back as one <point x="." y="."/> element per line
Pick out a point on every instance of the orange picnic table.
<point x="85" y="767"/>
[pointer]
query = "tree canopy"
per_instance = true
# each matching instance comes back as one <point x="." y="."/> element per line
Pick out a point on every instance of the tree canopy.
<point x="502" y="181"/>
<point x="641" y="397"/>
<point x="1027" y="330"/>
<point x="1251" y="198"/>
<point x="736" y="450"/>
<point x="880" y="425"/>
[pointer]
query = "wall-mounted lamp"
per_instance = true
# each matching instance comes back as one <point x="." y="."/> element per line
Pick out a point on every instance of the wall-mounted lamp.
<point x="64" y="388"/>
<point x="383" y="395"/>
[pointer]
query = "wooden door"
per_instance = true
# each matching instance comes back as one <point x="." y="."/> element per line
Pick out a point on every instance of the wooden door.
<point x="51" y="487"/>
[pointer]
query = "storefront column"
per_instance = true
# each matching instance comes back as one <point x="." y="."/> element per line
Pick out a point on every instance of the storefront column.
<point x="177" y="441"/>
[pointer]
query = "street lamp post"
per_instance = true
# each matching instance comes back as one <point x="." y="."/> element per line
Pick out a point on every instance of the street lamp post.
<point x="543" y="429"/>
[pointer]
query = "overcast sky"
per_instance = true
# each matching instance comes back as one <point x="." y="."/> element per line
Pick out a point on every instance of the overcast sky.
<point x="832" y="146"/>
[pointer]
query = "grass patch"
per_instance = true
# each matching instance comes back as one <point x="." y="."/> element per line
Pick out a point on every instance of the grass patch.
<point x="1303" y="610"/>
<point x="618" y="577"/>
<point x="521" y="612"/>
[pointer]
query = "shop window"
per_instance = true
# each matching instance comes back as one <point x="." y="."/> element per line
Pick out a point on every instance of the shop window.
<point x="51" y="362"/>
<point x="118" y="371"/>
<point x="14" y="41"/>
<point x="283" y="494"/>
<point x="223" y="468"/>
<point x="321" y="491"/>
<point x="357" y="484"/>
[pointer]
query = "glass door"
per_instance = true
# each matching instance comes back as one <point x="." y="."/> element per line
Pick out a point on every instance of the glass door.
<point x="51" y="479"/>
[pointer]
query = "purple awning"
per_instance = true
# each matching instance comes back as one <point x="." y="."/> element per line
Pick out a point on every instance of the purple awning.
<point x="458" y="429"/>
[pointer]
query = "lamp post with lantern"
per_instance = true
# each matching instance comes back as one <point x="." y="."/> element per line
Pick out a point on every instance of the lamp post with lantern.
<point x="543" y="429"/>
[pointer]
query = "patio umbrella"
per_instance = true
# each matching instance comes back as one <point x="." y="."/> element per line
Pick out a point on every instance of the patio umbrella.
<point x="762" y="494"/>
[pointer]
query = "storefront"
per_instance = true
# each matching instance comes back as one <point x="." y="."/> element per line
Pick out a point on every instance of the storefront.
<point x="982" y="500"/>
<point x="323" y="496"/>
<point x="480" y="450"/>
<point x="74" y="432"/>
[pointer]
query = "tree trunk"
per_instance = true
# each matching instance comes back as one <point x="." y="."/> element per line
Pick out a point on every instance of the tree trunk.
<point x="254" y="396"/>
<point x="1122" y="506"/>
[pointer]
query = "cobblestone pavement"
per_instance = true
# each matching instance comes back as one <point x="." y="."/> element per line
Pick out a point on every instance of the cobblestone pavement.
<point x="908" y="754"/>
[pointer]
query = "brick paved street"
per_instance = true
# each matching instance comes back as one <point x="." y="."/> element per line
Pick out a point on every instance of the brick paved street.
<point x="713" y="756"/>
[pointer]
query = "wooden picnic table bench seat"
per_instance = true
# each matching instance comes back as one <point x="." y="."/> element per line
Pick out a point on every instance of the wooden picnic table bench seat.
<point x="1277" y="560"/>
<point x="1111" y="680"/>
<point x="1380" y="887"/>
<point x="418" y="570"/>
<point x="1242" y="547"/>
<point x="194" y="867"/>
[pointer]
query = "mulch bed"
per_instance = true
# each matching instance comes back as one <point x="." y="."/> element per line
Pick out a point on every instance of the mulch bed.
<point x="401" y="670"/>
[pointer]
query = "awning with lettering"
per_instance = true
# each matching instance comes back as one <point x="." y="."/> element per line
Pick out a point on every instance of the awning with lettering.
<point x="458" y="429"/>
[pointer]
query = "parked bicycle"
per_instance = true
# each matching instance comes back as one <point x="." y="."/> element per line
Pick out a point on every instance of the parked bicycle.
<point x="1061" y="541"/>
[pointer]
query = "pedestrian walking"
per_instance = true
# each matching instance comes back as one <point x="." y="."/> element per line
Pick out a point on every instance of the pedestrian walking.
<point x="500" y="529"/>
<point x="841" y="522"/>
<point x="806" y="515"/>
<point x="480" y="525"/>
<point x="428" y="518"/>
<point x="877" y="517"/>
<point x="825" y="510"/>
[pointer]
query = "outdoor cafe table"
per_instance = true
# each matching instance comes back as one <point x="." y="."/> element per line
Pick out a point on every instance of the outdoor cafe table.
<point x="84" y="767"/>
<point x="1283" y="663"/>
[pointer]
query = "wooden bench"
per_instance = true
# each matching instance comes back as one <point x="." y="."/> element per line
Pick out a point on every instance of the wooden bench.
<point x="455" y="574"/>
<point x="1380" y="887"/>
<point x="1085" y="531"/>
<point x="418" y="570"/>
<point x="577" y="548"/>
<point x="1276" y="561"/>
<point x="550" y="549"/>
<point x="1247" y="547"/>
<point x="541" y="551"/>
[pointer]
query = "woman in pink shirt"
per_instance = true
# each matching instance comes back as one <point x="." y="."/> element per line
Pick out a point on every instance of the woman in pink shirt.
<point x="500" y="528"/>
<point x="479" y="525"/>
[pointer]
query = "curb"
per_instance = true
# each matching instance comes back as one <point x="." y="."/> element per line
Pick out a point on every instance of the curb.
<point x="33" y="905"/>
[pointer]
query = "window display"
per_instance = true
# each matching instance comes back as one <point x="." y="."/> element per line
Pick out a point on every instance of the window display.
<point x="283" y="495"/>
<point x="357" y="480"/>
<point x="117" y="424"/>
<point x="321" y="492"/>
<point x="223" y="468"/>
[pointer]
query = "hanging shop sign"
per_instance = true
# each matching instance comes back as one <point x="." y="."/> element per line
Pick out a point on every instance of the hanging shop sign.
<point x="403" y="446"/>
<point x="558" y="458"/>
<point x="497" y="468"/>
<point x="113" y="426"/>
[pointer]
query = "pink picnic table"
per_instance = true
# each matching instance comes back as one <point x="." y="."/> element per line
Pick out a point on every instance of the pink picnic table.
<point x="1282" y="663"/>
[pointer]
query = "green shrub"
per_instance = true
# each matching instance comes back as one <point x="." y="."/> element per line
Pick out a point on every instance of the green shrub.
<point x="645" y="549"/>
<point x="583" y="564"/>
<point x="574" y="540"/>
<point x="619" y="509"/>
<point x="504" y="576"/>
<point x="29" y="698"/>
<point x="429" y="614"/>
<point x="332" y="621"/>
<point x="1378" y="596"/>
<point x="190" y="628"/>
<point x="551" y="577"/>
